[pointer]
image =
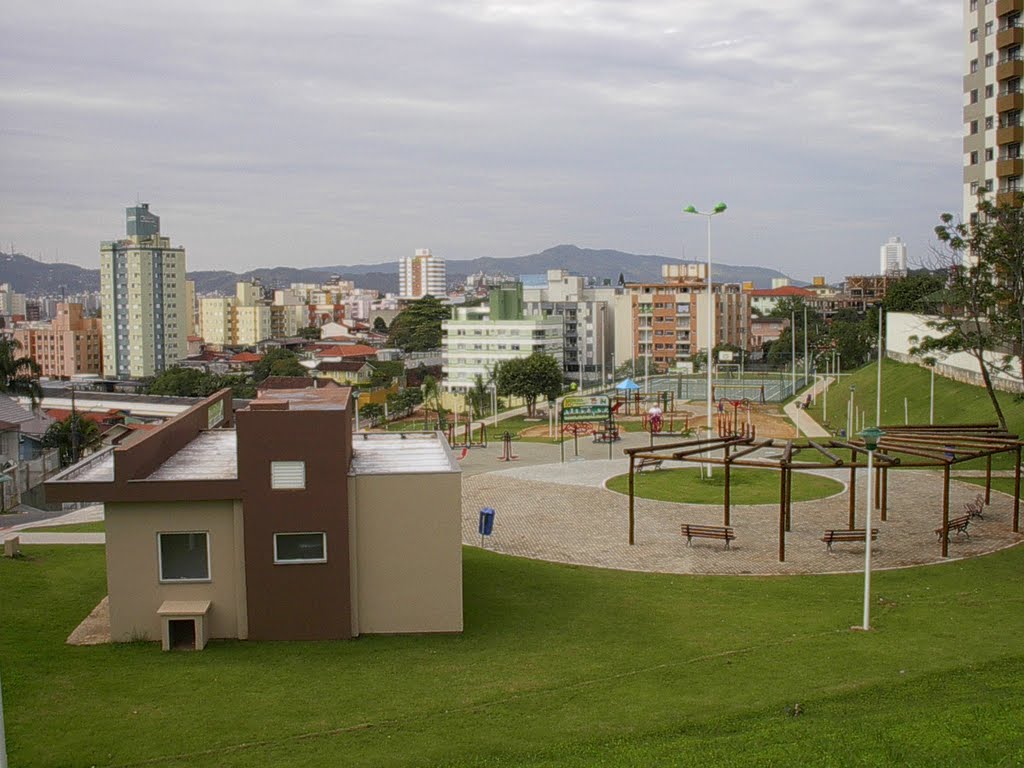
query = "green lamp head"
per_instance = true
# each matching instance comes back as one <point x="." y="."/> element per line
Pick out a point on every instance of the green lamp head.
<point x="871" y="436"/>
<point x="720" y="208"/>
<point x="690" y="209"/>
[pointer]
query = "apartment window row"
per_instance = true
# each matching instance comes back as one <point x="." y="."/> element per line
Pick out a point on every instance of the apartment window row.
<point x="184" y="556"/>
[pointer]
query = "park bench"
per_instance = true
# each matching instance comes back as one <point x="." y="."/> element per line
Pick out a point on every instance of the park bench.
<point x="607" y="436"/>
<point x="648" y="463"/>
<point x="958" y="524"/>
<point x="975" y="508"/>
<point x="857" y="534"/>
<point x="692" y="532"/>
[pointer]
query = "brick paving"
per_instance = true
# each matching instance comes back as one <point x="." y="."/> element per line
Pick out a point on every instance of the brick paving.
<point x="561" y="512"/>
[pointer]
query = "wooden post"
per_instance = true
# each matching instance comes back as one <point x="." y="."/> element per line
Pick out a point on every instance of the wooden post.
<point x="782" y="515"/>
<point x="727" y="499"/>
<point x="789" y="499"/>
<point x="885" y="492"/>
<point x="988" y="479"/>
<point x="632" y="516"/>
<point x="1016" y="495"/>
<point x="945" y="510"/>
<point x="878" y="487"/>
<point x="853" y="498"/>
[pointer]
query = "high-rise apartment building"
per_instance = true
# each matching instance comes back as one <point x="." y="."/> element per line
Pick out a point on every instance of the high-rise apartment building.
<point x="893" y="258"/>
<point x="422" y="274"/>
<point x="993" y="100"/>
<point x="68" y="346"/>
<point x="144" y="299"/>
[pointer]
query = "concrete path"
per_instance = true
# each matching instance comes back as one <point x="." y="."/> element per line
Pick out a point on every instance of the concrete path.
<point x="92" y="513"/>
<point x="27" y="537"/>
<point x="805" y="424"/>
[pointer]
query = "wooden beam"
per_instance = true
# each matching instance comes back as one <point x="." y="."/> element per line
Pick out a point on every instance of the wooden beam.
<point x="826" y="453"/>
<point x="885" y="492"/>
<point x="853" y="496"/>
<point x="728" y="467"/>
<point x="782" y="515"/>
<point x="988" y="480"/>
<point x="632" y="498"/>
<point x="789" y="498"/>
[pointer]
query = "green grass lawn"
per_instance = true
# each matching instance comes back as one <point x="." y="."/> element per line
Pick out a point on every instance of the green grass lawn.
<point x="1003" y="484"/>
<point x="95" y="527"/>
<point x="955" y="403"/>
<point x="746" y="486"/>
<point x="558" y="665"/>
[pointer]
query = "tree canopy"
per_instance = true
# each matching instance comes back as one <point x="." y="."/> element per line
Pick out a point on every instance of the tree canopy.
<point x="278" y="362"/>
<point x="529" y="378"/>
<point x="19" y="374"/>
<point x="72" y="436"/>
<point x="417" y="328"/>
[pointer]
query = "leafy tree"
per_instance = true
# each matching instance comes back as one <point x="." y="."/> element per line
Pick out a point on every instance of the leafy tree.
<point x="981" y="312"/>
<point x="380" y="325"/>
<point x="19" y="375"/>
<point x="185" y="382"/>
<point x="418" y="327"/>
<point x="372" y="412"/>
<point x="386" y="371"/>
<point x="913" y="293"/>
<point x="432" y="400"/>
<point x="479" y="397"/>
<point x="278" y="362"/>
<point x="529" y="378"/>
<point x="72" y="437"/>
<point x="310" y="332"/>
<point x="404" y="401"/>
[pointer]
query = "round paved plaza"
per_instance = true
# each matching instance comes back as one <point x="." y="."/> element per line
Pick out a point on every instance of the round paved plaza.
<point x="561" y="512"/>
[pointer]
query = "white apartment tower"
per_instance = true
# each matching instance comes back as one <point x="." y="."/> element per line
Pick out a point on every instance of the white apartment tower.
<point x="422" y="274"/>
<point x="893" y="258"/>
<point x="993" y="101"/>
<point x="144" y="299"/>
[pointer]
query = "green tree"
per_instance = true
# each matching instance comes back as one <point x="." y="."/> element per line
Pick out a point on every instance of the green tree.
<point x="310" y="332"/>
<point x="278" y="362"/>
<point x="380" y="325"/>
<point x="404" y="401"/>
<point x="73" y="437"/>
<point x="529" y="378"/>
<point x="185" y="382"/>
<point x="913" y="293"/>
<point x="386" y="371"/>
<point x="479" y="397"/>
<point x="418" y="327"/>
<point x="19" y="375"/>
<point x="977" y="314"/>
<point x="372" y="412"/>
<point x="432" y="400"/>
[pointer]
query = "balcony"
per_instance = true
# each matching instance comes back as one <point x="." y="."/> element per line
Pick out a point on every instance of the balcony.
<point x="1004" y="7"/>
<point x="1010" y="166"/>
<point x="1010" y="134"/>
<point x="1008" y="197"/>
<point x="1009" y="68"/>
<point x="1007" y="101"/>
<point x="1009" y="36"/>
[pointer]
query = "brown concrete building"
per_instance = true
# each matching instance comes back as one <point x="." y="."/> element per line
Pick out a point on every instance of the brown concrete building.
<point x="670" y="318"/>
<point x="68" y="346"/>
<point x="275" y="522"/>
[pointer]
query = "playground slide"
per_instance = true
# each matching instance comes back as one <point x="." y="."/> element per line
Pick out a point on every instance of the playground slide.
<point x="615" y="408"/>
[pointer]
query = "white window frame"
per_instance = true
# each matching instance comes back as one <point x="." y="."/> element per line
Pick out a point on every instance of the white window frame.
<point x="274" y="484"/>
<point x="160" y="558"/>
<point x="323" y="536"/>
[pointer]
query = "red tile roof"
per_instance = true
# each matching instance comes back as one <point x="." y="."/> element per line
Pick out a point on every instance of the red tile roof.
<point x="245" y="357"/>
<point x="786" y="290"/>
<point x="345" y="350"/>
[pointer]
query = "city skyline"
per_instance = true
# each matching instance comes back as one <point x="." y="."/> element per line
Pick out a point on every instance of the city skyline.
<point x="312" y="135"/>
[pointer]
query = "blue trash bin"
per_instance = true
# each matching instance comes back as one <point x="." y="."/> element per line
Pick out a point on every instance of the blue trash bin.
<point x="486" y="521"/>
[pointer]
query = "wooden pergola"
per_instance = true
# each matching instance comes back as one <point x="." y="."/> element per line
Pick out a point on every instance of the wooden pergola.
<point x="902" y="446"/>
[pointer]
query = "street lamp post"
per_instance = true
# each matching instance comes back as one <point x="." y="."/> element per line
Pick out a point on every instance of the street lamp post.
<point x="871" y="436"/>
<point x="719" y="208"/>
<point x="850" y="415"/>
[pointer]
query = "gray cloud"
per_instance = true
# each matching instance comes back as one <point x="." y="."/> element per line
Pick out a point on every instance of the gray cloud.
<point x="319" y="132"/>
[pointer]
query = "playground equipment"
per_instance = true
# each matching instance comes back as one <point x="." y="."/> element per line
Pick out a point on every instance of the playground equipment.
<point x="469" y="436"/>
<point x="672" y="423"/>
<point x="732" y="424"/>
<point x="506" y="448"/>
<point x="636" y="403"/>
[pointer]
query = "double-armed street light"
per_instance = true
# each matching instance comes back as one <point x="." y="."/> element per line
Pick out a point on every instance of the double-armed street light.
<point x="719" y="208"/>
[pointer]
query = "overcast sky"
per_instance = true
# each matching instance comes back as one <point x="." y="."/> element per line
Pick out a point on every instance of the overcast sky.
<point x="317" y="133"/>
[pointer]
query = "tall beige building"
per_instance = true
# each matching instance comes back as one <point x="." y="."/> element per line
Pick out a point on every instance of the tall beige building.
<point x="240" y="320"/>
<point x="144" y="299"/>
<point x="993" y="100"/>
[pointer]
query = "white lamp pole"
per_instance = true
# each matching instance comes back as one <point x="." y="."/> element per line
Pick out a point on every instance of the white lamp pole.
<point x="871" y="436"/>
<point x="931" y="405"/>
<point x="719" y="208"/>
<point x="355" y="397"/>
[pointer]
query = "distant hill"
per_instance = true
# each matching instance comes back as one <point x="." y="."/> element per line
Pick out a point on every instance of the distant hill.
<point x="34" y="278"/>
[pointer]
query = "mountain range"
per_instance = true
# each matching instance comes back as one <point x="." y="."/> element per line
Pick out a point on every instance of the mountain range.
<point x="34" y="278"/>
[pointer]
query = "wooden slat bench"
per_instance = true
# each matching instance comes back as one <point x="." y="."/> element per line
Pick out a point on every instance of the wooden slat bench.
<point x="958" y="524"/>
<point x="857" y="534"/>
<point x="692" y="532"/>
<point x="976" y="508"/>
<point x="645" y="463"/>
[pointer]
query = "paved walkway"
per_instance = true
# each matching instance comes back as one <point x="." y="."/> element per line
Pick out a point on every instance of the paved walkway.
<point x="807" y="426"/>
<point x="539" y="516"/>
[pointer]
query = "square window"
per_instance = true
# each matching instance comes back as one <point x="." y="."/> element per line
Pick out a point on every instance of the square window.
<point x="974" y="65"/>
<point x="184" y="556"/>
<point x="288" y="475"/>
<point x="989" y="122"/>
<point x="989" y="28"/>
<point x="974" y="35"/>
<point x="974" y="127"/>
<point x="295" y="548"/>
<point x="989" y="59"/>
<point x="989" y="154"/>
<point x="974" y="96"/>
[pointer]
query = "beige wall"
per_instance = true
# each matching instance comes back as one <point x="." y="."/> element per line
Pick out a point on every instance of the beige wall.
<point x="132" y="566"/>
<point x="406" y="547"/>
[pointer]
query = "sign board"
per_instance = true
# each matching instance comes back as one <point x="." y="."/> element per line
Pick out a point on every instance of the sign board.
<point x="725" y="356"/>
<point x="577" y="408"/>
<point x="685" y="368"/>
